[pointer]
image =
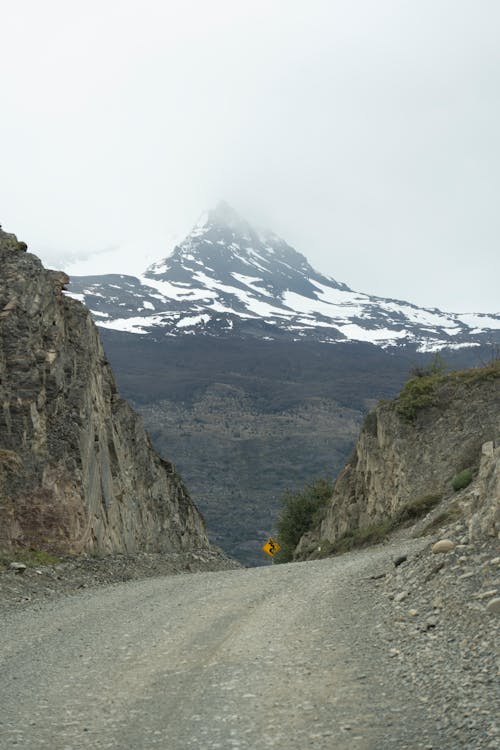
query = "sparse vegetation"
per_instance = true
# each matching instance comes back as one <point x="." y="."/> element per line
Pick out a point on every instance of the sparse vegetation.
<point x="361" y="537"/>
<point x="417" y="508"/>
<point x="377" y="532"/>
<point x="461" y="480"/>
<point x="301" y="511"/>
<point x="479" y="374"/>
<point x="451" y="514"/>
<point x="422" y="389"/>
<point x="437" y="366"/>
<point x="32" y="558"/>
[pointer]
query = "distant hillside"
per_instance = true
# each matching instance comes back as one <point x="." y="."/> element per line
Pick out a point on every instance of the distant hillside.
<point x="247" y="419"/>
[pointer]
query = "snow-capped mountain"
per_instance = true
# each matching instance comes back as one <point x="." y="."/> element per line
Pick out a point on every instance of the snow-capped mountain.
<point x="226" y="278"/>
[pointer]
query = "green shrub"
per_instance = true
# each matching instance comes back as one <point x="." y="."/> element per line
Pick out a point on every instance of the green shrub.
<point x="461" y="480"/>
<point x="422" y="389"/>
<point x="416" y="394"/>
<point x="301" y="512"/>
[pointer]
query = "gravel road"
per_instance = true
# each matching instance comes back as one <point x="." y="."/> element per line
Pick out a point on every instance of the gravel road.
<point x="291" y="656"/>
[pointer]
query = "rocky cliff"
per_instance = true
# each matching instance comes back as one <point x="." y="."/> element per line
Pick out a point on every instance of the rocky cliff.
<point x="77" y="470"/>
<point x="410" y="450"/>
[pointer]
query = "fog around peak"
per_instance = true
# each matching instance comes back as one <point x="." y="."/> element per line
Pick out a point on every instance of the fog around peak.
<point x="365" y="134"/>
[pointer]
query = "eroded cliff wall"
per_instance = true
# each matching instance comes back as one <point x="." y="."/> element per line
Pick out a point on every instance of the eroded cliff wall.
<point x="77" y="470"/>
<point x="413" y="447"/>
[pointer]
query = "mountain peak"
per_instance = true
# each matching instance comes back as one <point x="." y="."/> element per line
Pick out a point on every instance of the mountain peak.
<point x="225" y="214"/>
<point x="222" y="216"/>
<point x="225" y="248"/>
<point x="227" y="278"/>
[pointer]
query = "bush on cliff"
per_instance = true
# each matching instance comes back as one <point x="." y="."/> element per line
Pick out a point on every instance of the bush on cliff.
<point x="301" y="511"/>
<point x="424" y="388"/>
<point x="461" y="480"/>
<point x="416" y="394"/>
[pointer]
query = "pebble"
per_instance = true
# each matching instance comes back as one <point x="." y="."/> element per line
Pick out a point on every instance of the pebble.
<point x="431" y="622"/>
<point x="19" y="583"/>
<point x="17" y="567"/>
<point x="486" y="594"/>
<point x="494" y="606"/>
<point x="400" y="559"/>
<point x="401" y="596"/>
<point x="450" y="649"/>
<point x="443" y="545"/>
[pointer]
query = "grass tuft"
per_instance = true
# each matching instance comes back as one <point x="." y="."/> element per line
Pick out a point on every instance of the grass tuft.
<point x="378" y="532"/>
<point x="461" y="480"/>
<point x="32" y="558"/>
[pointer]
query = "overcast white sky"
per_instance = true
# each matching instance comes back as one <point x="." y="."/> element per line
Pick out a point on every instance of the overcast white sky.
<point x="365" y="132"/>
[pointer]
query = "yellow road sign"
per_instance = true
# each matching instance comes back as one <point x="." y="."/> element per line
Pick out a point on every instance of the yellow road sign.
<point x="271" y="546"/>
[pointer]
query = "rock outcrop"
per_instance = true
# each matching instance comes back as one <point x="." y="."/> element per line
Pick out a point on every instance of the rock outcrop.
<point x="77" y="470"/>
<point x="481" y="503"/>
<point x="413" y="447"/>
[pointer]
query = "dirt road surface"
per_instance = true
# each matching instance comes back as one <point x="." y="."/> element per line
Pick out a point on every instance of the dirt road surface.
<point x="291" y="656"/>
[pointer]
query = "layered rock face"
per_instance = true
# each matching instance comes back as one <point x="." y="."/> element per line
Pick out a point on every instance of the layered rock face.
<point x="482" y="502"/>
<point x="77" y="470"/>
<point x="398" y="460"/>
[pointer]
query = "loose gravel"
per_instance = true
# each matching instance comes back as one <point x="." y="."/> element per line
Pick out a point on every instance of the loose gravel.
<point x="351" y="653"/>
<point x="446" y="635"/>
<point x="22" y="586"/>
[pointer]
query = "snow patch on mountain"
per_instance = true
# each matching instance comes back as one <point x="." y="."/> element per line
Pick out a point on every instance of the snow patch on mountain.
<point x="226" y="278"/>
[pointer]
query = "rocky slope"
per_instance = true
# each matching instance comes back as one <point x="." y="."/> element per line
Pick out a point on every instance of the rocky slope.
<point x="442" y="597"/>
<point x="77" y="470"/>
<point x="410" y="450"/>
<point x="445" y="614"/>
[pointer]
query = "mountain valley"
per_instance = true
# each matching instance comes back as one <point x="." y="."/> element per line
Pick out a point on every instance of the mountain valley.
<point x="390" y="646"/>
<point x="254" y="370"/>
